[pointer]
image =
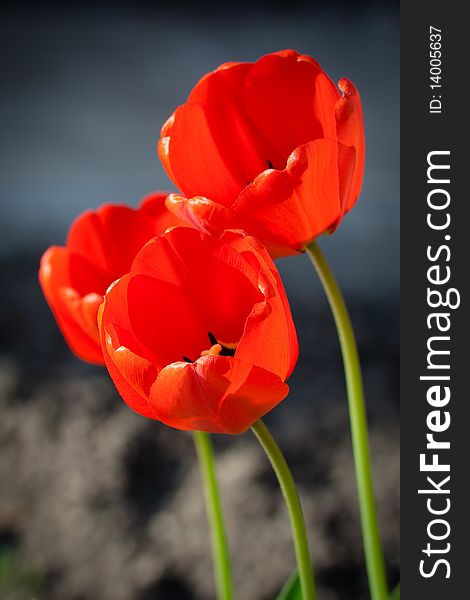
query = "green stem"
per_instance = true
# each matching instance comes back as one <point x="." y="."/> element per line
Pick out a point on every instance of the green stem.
<point x="357" y="414"/>
<point x="395" y="595"/>
<point x="220" y="551"/>
<point x="289" y="490"/>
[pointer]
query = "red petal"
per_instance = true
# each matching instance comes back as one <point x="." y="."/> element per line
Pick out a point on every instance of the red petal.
<point x="221" y="94"/>
<point x="101" y="247"/>
<point x="290" y="101"/>
<point x="192" y="158"/>
<point x="350" y="133"/>
<point x="75" y="316"/>
<point x="109" y="239"/>
<point x="119" y="324"/>
<point x="284" y="209"/>
<point x="166" y="319"/>
<point x="269" y="339"/>
<point x="191" y="284"/>
<point x="202" y="213"/>
<point x="132" y="374"/>
<point x="289" y="208"/>
<point x="86" y="277"/>
<point x="216" y="394"/>
<point x="154" y="206"/>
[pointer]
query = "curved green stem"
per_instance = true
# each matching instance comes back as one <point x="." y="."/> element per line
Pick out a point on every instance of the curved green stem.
<point x="289" y="490"/>
<point x="220" y="551"/>
<point x="357" y="414"/>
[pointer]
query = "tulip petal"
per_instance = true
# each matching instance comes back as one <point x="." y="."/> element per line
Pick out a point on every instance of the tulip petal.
<point x="193" y="160"/>
<point x="290" y="101"/>
<point x="269" y="339"/>
<point x="239" y="141"/>
<point x="216" y="394"/>
<point x="202" y="213"/>
<point x="350" y="134"/>
<point x="110" y="238"/>
<point x="100" y="248"/>
<point x="304" y="198"/>
<point x="154" y="206"/>
<point x="213" y="129"/>
<point x="103" y="243"/>
<point x="73" y="314"/>
<point x="176" y="327"/>
<point x="132" y="373"/>
<point x="119" y="325"/>
<point x="86" y="276"/>
<point x="192" y="284"/>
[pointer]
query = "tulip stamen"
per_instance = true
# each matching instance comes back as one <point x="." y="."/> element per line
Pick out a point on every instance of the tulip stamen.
<point x="215" y="350"/>
<point x="270" y="164"/>
<point x="186" y="359"/>
<point x="226" y="349"/>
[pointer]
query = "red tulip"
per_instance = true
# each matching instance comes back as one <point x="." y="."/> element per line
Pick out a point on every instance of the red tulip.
<point x="272" y="147"/>
<point x="100" y="248"/>
<point x="199" y="334"/>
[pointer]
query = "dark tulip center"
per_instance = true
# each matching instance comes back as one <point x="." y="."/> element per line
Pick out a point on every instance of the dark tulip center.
<point x="217" y="348"/>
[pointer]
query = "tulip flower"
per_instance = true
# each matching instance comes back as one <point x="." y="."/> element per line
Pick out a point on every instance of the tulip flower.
<point x="199" y="333"/>
<point x="100" y="248"/>
<point x="271" y="147"/>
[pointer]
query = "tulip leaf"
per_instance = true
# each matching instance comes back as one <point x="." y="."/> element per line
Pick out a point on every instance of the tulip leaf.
<point x="291" y="589"/>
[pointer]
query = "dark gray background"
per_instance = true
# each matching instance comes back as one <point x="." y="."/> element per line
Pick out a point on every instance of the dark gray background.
<point x="85" y="93"/>
<point x="87" y="486"/>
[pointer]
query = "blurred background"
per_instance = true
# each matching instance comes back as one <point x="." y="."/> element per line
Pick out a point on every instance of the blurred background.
<point x="95" y="501"/>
